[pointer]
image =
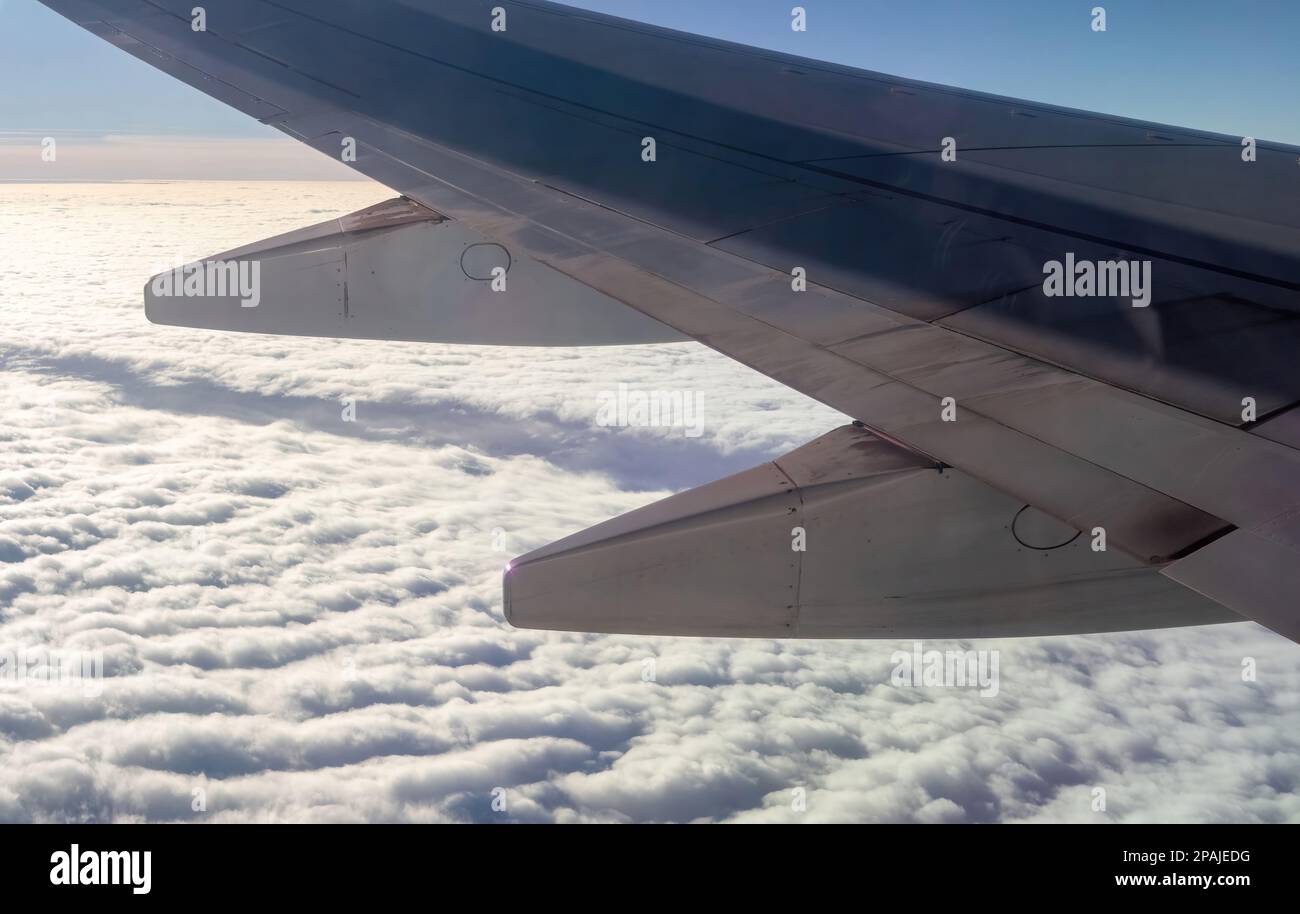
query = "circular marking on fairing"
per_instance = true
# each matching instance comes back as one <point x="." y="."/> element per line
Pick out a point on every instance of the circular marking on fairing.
<point x="1040" y="532"/>
<point x="479" y="260"/>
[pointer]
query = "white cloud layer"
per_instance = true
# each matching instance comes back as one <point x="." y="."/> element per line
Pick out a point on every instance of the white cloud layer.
<point x="300" y="617"/>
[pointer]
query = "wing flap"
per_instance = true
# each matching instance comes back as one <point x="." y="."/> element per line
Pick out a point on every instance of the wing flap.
<point x="1255" y="572"/>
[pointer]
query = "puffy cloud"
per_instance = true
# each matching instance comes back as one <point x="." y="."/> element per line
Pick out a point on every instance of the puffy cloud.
<point x="299" y="617"/>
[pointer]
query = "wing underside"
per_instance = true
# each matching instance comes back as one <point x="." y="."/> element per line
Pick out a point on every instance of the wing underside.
<point x="924" y="289"/>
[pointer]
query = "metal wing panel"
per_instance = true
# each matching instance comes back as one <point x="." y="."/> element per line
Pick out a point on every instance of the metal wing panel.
<point x="1242" y="250"/>
<point x="1284" y="428"/>
<point x="482" y="126"/>
<point x="566" y="98"/>
<point x="1254" y="572"/>
<point x="694" y="288"/>
<point x="1202" y="353"/>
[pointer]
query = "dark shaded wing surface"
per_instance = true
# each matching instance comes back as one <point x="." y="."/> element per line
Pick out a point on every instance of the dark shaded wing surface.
<point x="925" y="276"/>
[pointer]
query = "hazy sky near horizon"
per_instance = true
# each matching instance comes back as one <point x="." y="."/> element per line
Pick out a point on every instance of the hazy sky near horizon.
<point x="1195" y="63"/>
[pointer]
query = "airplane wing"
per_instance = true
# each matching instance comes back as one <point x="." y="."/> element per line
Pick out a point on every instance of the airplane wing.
<point x="1115" y="451"/>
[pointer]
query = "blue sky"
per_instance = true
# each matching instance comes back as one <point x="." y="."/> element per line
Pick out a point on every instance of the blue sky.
<point x="1229" y="67"/>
